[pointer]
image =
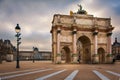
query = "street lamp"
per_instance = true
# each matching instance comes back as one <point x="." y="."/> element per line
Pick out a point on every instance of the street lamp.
<point x="17" y="29"/>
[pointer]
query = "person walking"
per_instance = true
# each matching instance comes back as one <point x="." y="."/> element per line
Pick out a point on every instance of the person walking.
<point x="79" y="59"/>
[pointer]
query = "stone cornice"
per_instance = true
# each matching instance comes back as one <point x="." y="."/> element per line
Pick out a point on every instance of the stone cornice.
<point x="102" y="44"/>
<point x="91" y="29"/>
<point x="74" y="26"/>
<point x="54" y="42"/>
<point x="65" y="43"/>
<point x="110" y="29"/>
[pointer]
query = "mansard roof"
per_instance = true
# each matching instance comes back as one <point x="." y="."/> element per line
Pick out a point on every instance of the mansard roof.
<point x="116" y="43"/>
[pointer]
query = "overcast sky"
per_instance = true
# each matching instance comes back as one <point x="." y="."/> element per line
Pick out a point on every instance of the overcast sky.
<point x="35" y="17"/>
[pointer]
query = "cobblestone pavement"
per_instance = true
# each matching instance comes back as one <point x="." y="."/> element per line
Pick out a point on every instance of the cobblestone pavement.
<point x="48" y="71"/>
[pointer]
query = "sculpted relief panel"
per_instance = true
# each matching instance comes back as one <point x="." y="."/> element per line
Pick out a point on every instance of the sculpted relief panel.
<point x="102" y="38"/>
<point x="103" y="23"/>
<point x="65" y="38"/>
<point x="84" y="21"/>
<point x="66" y="20"/>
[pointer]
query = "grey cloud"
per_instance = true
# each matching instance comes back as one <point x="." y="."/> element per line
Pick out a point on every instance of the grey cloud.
<point x="35" y="17"/>
<point x="40" y="40"/>
<point x="30" y="16"/>
<point x="113" y="5"/>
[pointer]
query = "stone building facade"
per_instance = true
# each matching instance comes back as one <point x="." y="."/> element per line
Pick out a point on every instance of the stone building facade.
<point x="40" y="55"/>
<point x="7" y="50"/>
<point x="116" y="49"/>
<point x="80" y="37"/>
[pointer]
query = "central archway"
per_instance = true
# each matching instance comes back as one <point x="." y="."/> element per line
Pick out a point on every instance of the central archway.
<point x="66" y="57"/>
<point x="84" y="49"/>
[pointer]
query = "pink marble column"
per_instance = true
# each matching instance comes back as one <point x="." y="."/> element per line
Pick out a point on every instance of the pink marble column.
<point x="58" y="58"/>
<point x="58" y="40"/>
<point x="96" y="41"/>
<point x="109" y="58"/>
<point x="96" y="44"/>
<point x="109" y="47"/>
<point x="74" y="42"/>
<point x="74" y="46"/>
<point x="95" y="58"/>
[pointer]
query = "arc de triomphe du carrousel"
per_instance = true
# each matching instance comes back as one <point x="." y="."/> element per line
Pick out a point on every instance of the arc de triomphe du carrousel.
<point x="81" y="37"/>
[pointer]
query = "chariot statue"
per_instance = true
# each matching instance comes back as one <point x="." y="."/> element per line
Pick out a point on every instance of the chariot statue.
<point x="80" y="10"/>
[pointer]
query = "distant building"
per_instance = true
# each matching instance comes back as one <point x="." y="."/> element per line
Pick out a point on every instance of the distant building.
<point x="41" y="55"/>
<point x="7" y="50"/>
<point x="116" y="49"/>
<point x="36" y="54"/>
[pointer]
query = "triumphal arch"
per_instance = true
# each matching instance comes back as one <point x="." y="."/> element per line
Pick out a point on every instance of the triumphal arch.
<point x="80" y="37"/>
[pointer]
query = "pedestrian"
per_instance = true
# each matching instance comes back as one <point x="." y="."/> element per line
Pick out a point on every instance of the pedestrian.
<point x="79" y="59"/>
<point x="113" y="60"/>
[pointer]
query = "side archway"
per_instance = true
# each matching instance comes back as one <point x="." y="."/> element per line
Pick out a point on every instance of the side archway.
<point x="101" y="53"/>
<point x="66" y="56"/>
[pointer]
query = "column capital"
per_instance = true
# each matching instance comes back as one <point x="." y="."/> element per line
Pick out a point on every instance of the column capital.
<point x="109" y="34"/>
<point x="95" y="33"/>
<point x="110" y="28"/>
<point x="58" y="31"/>
<point x="95" y="30"/>
<point x="74" y="32"/>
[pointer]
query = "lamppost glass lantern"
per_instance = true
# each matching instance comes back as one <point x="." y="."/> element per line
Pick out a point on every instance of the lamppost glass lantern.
<point x="17" y="28"/>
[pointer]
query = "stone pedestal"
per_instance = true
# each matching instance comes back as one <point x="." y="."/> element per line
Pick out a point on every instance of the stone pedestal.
<point x="75" y="59"/>
<point x="95" y="59"/>
<point x="58" y="58"/>
<point x="109" y="59"/>
<point x="9" y="57"/>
